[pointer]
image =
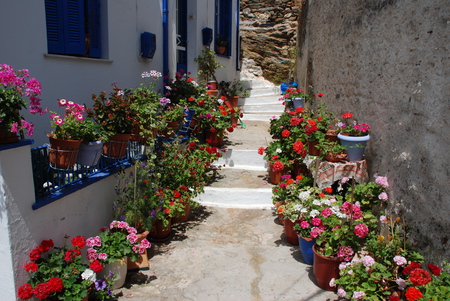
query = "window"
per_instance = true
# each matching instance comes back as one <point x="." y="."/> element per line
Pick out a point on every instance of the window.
<point x="73" y="27"/>
<point x="223" y="25"/>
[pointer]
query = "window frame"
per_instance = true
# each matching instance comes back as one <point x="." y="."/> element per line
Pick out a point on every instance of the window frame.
<point x="223" y="23"/>
<point x="71" y="26"/>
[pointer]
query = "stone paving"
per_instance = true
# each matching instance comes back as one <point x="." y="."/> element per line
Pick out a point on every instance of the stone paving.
<point x="226" y="251"/>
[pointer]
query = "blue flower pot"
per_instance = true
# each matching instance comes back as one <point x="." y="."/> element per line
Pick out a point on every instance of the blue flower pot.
<point x="298" y="102"/>
<point x="306" y="249"/>
<point x="353" y="152"/>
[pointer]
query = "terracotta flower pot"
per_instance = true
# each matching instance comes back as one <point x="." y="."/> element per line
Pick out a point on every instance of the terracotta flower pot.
<point x="117" y="146"/>
<point x="312" y="148"/>
<point x="325" y="269"/>
<point x="291" y="234"/>
<point x="142" y="263"/>
<point x="63" y="153"/>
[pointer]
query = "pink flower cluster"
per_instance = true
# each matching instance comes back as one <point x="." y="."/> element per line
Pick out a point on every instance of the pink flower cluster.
<point x="382" y="181"/>
<point x="361" y="230"/>
<point x="16" y="83"/>
<point x="345" y="253"/>
<point x="351" y="209"/>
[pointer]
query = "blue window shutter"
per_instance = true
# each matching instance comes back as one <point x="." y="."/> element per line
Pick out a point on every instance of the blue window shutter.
<point x="54" y="20"/>
<point x="74" y="27"/>
<point x="93" y="15"/>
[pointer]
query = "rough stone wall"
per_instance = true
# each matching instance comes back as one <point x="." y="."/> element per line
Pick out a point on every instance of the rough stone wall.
<point x="387" y="61"/>
<point x="269" y="32"/>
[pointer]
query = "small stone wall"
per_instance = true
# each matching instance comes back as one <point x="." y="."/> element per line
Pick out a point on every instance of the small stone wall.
<point x="387" y="62"/>
<point x="269" y="33"/>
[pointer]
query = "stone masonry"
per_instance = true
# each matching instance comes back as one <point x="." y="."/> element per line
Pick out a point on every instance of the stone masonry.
<point x="269" y="33"/>
<point x="387" y="62"/>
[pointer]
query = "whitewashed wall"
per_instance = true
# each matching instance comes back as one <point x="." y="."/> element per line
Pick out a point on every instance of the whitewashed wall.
<point x="22" y="228"/>
<point x="77" y="78"/>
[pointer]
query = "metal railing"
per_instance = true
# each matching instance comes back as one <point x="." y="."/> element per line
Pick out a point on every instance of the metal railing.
<point x="48" y="179"/>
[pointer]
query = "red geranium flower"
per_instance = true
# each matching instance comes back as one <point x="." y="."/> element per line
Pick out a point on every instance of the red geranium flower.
<point x="35" y="254"/>
<point x="295" y="121"/>
<point x="191" y="98"/>
<point x="25" y="292"/>
<point x="419" y="277"/>
<point x="46" y="245"/>
<point x="96" y="266"/>
<point x="79" y="242"/>
<point x="261" y="150"/>
<point x="278" y="165"/>
<point x="299" y="109"/>
<point x="347" y="115"/>
<point x="42" y="291"/>
<point x="230" y="129"/>
<point x="320" y="94"/>
<point x="329" y="190"/>
<point x="31" y="267"/>
<point x="55" y="284"/>
<point x="413" y="294"/>
<point x="285" y="133"/>
<point x="435" y="270"/>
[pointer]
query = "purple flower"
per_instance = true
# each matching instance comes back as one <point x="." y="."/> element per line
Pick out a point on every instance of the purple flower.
<point x="341" y="293"/>
<point x="358" y="295"/>
<point x="100" y="284"/>
<point x="382" y="181"/>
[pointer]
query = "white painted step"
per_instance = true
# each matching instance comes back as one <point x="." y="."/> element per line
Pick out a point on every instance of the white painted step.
<point x="255" y="198"/>
<point x="260" y="117"/>
<point x="266" y="109"/>
<point x="260" y="100"/>
<point x="243" y="159"/>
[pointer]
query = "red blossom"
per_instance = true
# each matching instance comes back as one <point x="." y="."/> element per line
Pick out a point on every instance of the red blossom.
<point x="347" y="115"/>
<point x="79" y="242"/>
<point x="261" y="150"/>
<point x="25" y="292"/>
<point x="419" y="277"/>
<point x="413" y="294"/>
<point x="434" y="269"/>
<point x="278" y="166"/>
<point x="285" y="133"/>
<point x="42" y="291"/>
<point x="31" y="267"/>
<point x="55" y="284"/>
<point x="328" y="190"/>
<point x="320" y="94"/>
<point x="35" y="254"/>
<point x="295" y="121"/>
<point x="299" y="110"/>
<point x="96" y="266"/>
<point x="46" y="245"/>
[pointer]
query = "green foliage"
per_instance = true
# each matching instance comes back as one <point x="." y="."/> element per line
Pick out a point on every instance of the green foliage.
<point x="113" y="113"/>
<point x="234" y="88"/>
<point x="56" y="272"/>
<point x="207" y="65"/>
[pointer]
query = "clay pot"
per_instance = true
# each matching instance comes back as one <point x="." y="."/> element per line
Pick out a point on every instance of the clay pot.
<point x="324" y="269"/>
<point x="291" y="234"/>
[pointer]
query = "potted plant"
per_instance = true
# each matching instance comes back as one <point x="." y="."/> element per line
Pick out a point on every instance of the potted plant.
<point x="118" y="119"/>
<point x="331" y="151"/>
<point x="295" y="97"/>
<point x="182" y="87"/>
<point x="58" y="273"/>
<point x="207" y="67"/>
<point x="111" y="247"/>
<point x="233" y="90"/>
<point x="145" y="102"/>
<point x="353" y="136"/>
<point x="69" y="131"/>
<point x="276" y="157"/>
<point x="14" y="88"/>
<point x="221" y="44"/>
<point x="316" y="125"/>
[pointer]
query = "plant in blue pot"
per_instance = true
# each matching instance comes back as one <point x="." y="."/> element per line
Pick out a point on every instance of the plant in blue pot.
<point x="353" y="136"/>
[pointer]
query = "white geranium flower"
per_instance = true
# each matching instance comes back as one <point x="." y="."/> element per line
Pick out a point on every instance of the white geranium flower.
<point x="314" y="213"/>
<point x="89" y="275"/>
<point x="304" y="195"/>
<point x="278" y="150"/>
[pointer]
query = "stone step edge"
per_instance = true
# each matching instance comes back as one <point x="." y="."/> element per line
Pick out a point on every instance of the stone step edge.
<point x="240" y="191"/>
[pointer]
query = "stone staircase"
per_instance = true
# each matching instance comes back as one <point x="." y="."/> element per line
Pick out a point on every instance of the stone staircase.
<point x="242" y="181"/>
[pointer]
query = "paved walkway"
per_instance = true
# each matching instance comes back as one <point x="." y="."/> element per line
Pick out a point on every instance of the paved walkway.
<point x="226" y="251"/>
